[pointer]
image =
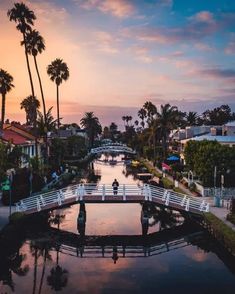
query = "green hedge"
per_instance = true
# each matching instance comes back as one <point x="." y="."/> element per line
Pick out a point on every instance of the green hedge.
<point x="222" y="232"/>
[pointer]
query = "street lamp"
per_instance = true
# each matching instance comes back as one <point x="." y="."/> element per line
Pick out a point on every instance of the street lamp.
<point x="10" y="179"/>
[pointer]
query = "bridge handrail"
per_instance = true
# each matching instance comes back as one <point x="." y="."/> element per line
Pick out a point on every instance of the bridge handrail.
<point x="81" y="191"/>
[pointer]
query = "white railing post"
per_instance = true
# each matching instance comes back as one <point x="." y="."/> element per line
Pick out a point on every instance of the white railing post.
<point x="187" y="205"/>
<point x="183" y="201"/>
<point x="77" y="192"/>
<point x="164" y="195"/>
<point x="124" y="192"/>
<point x="24" y="207"/>
<point x="81" y="191"/>
<point x="17" y="208"/>
<point x="103" y="192"/>
<point x="149" y="193"/>
<point x="207" y="207"/>
<point x="59" y="199"/>
<point x="202" y="205"/>
<point x="145" y="190"/>
<point x="62" y="196"/>
<point x="42" y="200"/>
<point x="38" y="205"/>
<point x="167" y="198"/>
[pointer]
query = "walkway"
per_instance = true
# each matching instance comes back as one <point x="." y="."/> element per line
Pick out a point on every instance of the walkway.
<point x="95" y="193"/>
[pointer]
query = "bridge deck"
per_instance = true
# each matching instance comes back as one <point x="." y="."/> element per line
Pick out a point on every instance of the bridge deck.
<point x="92" y="193"/>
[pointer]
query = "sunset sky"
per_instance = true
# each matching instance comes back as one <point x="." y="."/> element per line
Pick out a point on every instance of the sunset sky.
<point x="121" y="53"/>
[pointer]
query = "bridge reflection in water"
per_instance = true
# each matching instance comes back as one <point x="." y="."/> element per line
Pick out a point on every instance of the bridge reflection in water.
<point x="178" y="233"/>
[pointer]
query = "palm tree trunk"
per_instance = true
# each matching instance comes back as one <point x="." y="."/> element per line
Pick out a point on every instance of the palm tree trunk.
<point x="43" y="271"/>
<point x="43" y="102"/>
<point x="58" y="109"/>
<point x="35" y="270"/>
<point x="3" y="109"/>
<point x="28" y="66"/>
<point x="41" y="89"/>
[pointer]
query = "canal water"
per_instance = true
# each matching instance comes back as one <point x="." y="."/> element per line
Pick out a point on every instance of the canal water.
<point x="114" y="257"/>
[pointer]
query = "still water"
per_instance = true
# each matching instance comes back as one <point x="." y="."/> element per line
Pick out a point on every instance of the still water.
<point x="170" y="260"/>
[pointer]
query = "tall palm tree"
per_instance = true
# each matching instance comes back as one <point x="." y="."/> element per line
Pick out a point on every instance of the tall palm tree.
<point x="92" y="125"/>
<point x="24" y="18"/>
<point x="58" y="72"/>
<point x="124" y="120"/>
<point x="31" y="105"/>
<point x="142" y="114"/>
<point x="35" y="44"/>
<point x="5" y="86"/>
<point x="151" y="111"/>
<point x="166" y="120"/>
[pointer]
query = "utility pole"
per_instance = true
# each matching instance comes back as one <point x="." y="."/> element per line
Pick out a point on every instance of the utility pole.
<point x="215" y="174"/>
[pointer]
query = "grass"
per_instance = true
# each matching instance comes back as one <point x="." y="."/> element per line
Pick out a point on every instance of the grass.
<point x="166" y="182"/>
<point x="222" y="232"/>
<point x="231" y="218"/>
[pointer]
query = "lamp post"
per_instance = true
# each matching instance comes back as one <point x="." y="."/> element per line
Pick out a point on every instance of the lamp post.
<point x="222" y="187"/>
<point x="10" y="179"/>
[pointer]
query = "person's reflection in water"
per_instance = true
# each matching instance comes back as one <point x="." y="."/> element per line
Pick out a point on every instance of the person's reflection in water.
<point x="115" y="254"/>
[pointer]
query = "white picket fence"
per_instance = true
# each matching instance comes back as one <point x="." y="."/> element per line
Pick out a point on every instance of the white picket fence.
<point x="104" y="193"/>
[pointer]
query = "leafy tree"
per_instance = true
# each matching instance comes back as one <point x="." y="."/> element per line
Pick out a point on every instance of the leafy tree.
<point x="202" y="157"/>
<point x="24" y="18"/>
<point x="58" y="72"/>
<point x="5" y="86"/>
<point x="92" y="125"/>
<point x="31" y="105"/>
<point x="76" y="147"/>
<point x="58" y="149"/>
<point x="113" y="130"/>
<point x="218" y="116"/>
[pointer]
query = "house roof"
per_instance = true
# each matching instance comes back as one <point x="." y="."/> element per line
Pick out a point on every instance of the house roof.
<point x="13" y="137"/>
<point x="220" y="139"/>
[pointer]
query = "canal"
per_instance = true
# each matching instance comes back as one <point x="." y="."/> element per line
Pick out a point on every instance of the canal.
<point x="113" y="256"/>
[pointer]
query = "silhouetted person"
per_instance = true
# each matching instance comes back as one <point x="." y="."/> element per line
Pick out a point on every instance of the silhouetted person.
<point x="115" y="186"/>
<point x="115" y="254"/>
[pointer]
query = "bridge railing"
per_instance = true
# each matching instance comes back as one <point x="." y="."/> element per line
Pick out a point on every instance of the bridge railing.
<point x="100" y="192"/>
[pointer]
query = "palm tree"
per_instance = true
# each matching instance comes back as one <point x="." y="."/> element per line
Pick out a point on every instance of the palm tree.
<point x="191" y="118"/>
<point x="46" y="125"/>
<point x="31" y="105"/>
<point x="35" y="44"/>
<point x="166" y="120"/>
<point x="151" y="111"/>
<point x="124" y="119"/>
<point x="142" y="115"/>
<point x="5" y="86"/>
<point x="58" y="72"/>
<point x="92" y="125"/>
<point x="24" y="18"/>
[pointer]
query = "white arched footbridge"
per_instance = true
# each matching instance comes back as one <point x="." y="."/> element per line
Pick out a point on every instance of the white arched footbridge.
<point x="112" y="148"/>
<point x="103" y="193"/>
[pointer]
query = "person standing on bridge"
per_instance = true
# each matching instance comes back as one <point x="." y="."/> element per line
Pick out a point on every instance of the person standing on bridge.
<point x="115" y="186"/>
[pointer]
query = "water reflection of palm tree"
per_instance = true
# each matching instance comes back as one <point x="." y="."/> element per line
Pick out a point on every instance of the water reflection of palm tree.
<point x="165" y="217"/>
<point x="58" y="277"/>
<point x="56" y="218"/>
<point x="12" y="264"/>
<point x="46" y="256"/>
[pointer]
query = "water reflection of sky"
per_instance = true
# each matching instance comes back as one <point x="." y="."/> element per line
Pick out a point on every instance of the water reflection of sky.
<point x="185" y="270"/>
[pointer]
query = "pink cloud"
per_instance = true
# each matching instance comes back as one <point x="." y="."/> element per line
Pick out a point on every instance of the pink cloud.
<point x="118" y="8"/>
